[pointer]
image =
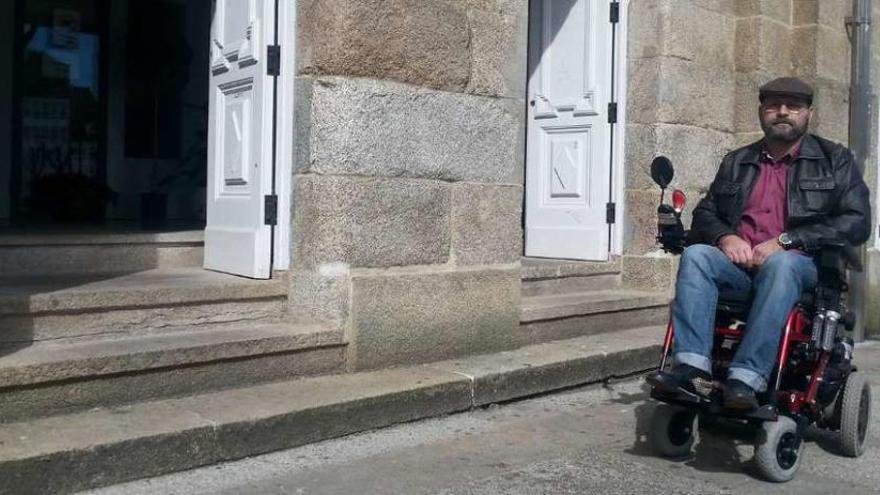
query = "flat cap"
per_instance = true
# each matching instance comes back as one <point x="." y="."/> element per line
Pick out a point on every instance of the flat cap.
<point x="787" y="86"/>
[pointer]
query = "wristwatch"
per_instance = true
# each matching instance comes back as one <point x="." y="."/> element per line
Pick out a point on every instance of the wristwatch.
<point x="786" y="240"/>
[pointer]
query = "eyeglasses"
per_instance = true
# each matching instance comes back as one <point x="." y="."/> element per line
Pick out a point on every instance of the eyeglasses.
<point x="793" y="108"/>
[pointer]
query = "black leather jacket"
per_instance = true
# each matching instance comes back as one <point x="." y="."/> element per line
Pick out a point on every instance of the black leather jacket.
<point x="827" y="197"/>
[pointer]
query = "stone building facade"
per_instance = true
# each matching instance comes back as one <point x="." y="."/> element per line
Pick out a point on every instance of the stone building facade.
<point x="406" y="139"/>
<point x="409" y="169"/>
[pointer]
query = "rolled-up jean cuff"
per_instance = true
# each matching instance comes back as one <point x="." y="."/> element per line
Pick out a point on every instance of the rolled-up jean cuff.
<point x="749" y="377"/>
<point x="693" y="359"/>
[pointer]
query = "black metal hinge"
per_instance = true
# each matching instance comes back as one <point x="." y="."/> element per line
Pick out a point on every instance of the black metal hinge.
<point x="271" y="209"/>
<point x="610" y="212"/>
<point x="614" y="14"/>
<point x="612" y="113"/>
<point x="273" y="60"/>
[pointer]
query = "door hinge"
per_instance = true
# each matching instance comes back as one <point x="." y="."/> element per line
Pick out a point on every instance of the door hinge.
<point x="610" y="212"/>
<point x="612" y="113"/>
<point x="273" y="60"/>
<point x="270" y="209"/>
<point x="614" y="15"/>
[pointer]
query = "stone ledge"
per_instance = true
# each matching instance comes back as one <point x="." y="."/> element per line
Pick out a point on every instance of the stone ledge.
<point x="538" y="308"/>
<point x="114" y="445"/>
<point x="550" y="366"/>
<point x="182" y="238"/>
<point x="149" y="288"/>
<point x="542" y="268"/>
<point x="65" y="360"/>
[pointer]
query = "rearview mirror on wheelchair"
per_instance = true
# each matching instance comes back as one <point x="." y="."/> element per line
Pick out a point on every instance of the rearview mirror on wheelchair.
<point x="814" y="381"/>
<point x="670" y="231"/>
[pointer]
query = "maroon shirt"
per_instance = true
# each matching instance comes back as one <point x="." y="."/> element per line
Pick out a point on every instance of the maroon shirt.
<point x="766" y="209"/>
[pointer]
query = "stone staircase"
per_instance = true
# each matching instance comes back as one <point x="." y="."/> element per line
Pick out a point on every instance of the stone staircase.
<point x="77" y="333"/>
<point x="566" y="299"/>
<point x="165" y="366"/>
<point x="98" y="252"/>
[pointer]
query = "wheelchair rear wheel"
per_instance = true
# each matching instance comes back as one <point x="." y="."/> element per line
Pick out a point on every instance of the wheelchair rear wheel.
<point x="778" y="449"/>
<point x="855" y="414"/>
<point x="673" y="430"/>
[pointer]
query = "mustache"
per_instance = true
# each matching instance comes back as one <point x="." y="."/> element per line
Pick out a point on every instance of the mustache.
<point x="783" y="121"/>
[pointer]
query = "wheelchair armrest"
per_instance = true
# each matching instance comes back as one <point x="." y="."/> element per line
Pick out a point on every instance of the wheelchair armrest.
<point x="833" y="251"/>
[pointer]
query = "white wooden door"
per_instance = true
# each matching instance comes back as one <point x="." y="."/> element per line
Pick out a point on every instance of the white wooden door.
<point x="569" y="138"/>
<point x="240" y="160"/>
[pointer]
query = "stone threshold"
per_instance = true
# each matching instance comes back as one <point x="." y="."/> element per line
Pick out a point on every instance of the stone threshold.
<point x="63" y="359"/>
<point x="554" y="306"/>
<point x="112" y="445"/>
<point x="100" y="238"/>
<point x="545" y="268"/>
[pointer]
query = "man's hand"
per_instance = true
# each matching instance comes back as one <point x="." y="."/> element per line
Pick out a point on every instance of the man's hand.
<point x="763" y="250"/>
<point x="736" y="249"/>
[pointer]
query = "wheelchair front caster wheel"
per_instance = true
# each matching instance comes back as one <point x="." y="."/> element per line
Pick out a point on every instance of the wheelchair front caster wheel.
<point x="673" y="430"/>
<point x="779" y="449"/>
<point x="855" y="414"/>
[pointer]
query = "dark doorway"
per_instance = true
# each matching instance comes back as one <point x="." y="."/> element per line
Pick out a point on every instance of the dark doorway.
<point x="59" y="117"/>
<point x="110" y="114"/>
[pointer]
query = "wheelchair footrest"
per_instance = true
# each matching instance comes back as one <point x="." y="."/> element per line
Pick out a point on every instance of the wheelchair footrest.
<point x="712" y="405"/>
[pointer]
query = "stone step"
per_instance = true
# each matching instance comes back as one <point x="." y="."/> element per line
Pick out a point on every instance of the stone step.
<point x="545" y="276"/>
<point x="562" y="316"/>
<point x="59" y="377"/>
<point x="98" y="252"/>
<point x="108" y="446"/>
<point x="44" y="308"/>
<point x="570" y="284"/>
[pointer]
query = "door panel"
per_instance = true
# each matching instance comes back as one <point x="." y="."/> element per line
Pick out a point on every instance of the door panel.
<point x="568" y="157"/>
<point x="240" y="145"/>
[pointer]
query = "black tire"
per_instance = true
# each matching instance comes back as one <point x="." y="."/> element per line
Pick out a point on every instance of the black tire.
<point x="673" y="430"/>
<point x="855" y="415"/>
<point x="779" y="449"/>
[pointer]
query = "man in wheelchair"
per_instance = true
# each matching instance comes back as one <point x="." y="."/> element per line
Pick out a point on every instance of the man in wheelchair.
<point x="755" y="233"/>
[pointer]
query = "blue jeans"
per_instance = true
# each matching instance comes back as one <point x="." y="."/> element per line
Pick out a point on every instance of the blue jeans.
<point x="776" y="286"/>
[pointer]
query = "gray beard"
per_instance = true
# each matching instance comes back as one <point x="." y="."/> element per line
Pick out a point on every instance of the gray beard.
<point x="789" y="135"/>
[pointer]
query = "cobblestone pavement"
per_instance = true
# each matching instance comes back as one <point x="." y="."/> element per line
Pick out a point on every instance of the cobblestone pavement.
<point x="585" y="441"/>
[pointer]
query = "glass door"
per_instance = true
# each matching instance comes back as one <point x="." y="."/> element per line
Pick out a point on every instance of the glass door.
<point x="58" y="175"/>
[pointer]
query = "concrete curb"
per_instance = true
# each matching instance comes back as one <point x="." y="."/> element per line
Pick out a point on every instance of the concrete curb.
<point x="62" y="454"/>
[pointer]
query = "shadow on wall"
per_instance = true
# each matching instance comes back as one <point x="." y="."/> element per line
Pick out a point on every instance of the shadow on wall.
<point x="561" y="10"/>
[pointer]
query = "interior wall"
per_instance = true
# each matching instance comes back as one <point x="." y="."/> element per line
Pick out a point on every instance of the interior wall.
<point x="132" y="176"/>
<point x="7" y="21"/>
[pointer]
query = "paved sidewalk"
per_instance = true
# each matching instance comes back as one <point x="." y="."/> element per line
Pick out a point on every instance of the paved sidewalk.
<point x="588" y="440"/>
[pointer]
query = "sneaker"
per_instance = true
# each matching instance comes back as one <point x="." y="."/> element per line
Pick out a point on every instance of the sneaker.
<point x="739" y="396"/>
<point x="682" y="377"/>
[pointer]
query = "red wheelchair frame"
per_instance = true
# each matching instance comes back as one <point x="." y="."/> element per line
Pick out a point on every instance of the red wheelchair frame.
<point x="796" y="331"/>
<point x="814" y="381"/>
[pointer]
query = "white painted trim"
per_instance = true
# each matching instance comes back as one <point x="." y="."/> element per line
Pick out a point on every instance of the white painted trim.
<point x="618" y="179"/>
<point x="286" y="134"/>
